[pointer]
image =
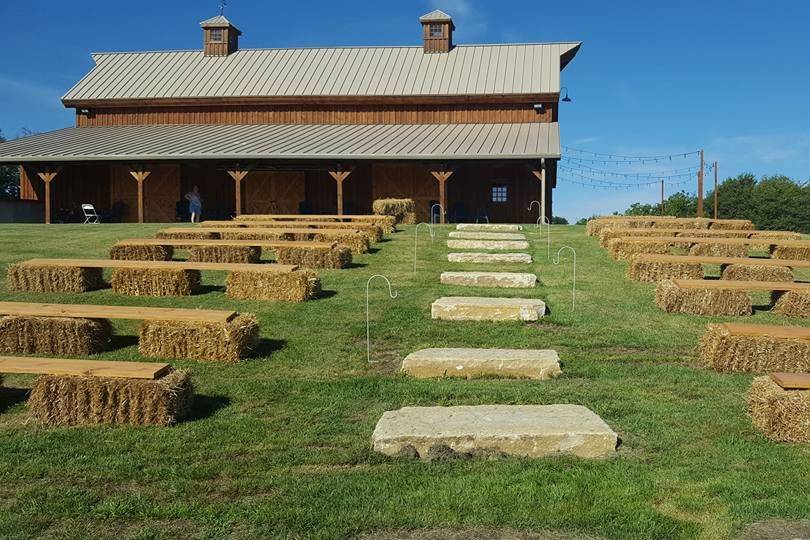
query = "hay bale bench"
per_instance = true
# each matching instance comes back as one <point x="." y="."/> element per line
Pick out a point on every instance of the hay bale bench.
<point x="509" y="280"/>
<point x="472" y="235"/>
<point x="490" y="431"/>
<point x="490" y="258"/>
<point x="651" y="268"/>
<point x="76" y="329"/>
<point x="374" y="232"/>
<point x="779" y="406"/>
<point x="306" y="254"/>
<point x="595" y="226"/>
<point x="77" y="392"/>
<point x="472" y="363"/>
<point x="477" y="308"/>
<point x="357" y="241"/>
<point x="489" y="227"/>
<point x="605" y="235"/>
<point x="164" y="278"/>
<point x="755" y="348"/>
<point x="388" y="223"/>
<point x="488" y="244"/>
<point x="627" y="247"/>
<point x="726" y="297"/>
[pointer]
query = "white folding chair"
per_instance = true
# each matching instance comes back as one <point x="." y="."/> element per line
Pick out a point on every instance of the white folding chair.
<point x="90" y="215"/>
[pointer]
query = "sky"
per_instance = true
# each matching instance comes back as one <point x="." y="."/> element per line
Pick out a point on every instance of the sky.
<point x="651" y="78"/>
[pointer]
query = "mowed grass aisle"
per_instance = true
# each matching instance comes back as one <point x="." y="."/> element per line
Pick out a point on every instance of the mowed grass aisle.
<point x="279" y="445"/>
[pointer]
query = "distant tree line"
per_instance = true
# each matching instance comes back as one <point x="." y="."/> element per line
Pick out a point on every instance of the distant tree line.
<point x="9" y="179"/>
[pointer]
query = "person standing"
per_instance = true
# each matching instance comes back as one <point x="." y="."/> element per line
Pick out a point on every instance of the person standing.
<point x="194" y="204"/>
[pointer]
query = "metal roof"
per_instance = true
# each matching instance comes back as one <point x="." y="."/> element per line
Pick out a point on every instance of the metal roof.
<point x="436" y="15"/>
<point x="219" y="20"/>
<point x="328" y="72"/>
<point x="288" y="141"/>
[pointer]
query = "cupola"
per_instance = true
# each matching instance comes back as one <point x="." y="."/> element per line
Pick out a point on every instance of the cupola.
<point x="437" y="31"/>
<point x="220" y="37"/>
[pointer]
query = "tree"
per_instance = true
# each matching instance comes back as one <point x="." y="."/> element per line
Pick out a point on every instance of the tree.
<point x="679" y="204"/>
<point x="559" y="220"/>
<point x="734" y="197"/>
<point x="779" y="203"/>
<point x="9" y="179"/>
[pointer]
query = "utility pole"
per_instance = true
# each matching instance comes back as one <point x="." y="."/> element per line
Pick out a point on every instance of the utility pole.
<point x="715" y="190"/>
<point x="663" y="210"/>
<point x="700" y="187"/>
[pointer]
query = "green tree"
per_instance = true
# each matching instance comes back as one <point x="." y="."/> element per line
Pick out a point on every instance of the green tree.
<point x="9" y="179"/>
<point x="559" y="220"/>
<point x="779" y="203"/>
<point x="639" y="209"/>
<point x="733" y="197"/>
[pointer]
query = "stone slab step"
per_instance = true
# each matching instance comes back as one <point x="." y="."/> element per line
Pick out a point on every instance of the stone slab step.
<point x="471" y="235"/>
<point x="489" y="258"/>
<point x="476" y="308"/>
<point x="489" y="227"/>
<point x="487" y="244"/>
<point x="470" y="363"/>
<point x="507" y="280"/>
<point x="491" y="430"/>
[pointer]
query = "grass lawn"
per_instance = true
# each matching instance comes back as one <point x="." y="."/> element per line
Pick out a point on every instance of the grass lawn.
<point x="279" y="445"/>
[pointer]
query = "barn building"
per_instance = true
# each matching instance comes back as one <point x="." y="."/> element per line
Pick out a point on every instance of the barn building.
<point x="473" y="128"/>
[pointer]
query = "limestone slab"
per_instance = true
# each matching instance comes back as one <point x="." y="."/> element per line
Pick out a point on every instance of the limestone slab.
<point x="470" y="363"/>
<point x="516" y="430"/>
<point x="487" y="244"/>
<point x="472" y="235"/>
<point x="489" y="227"/>
<point x="508" y="280"/>
<point x="489" y="258"/>
<point x="476" y="308"/>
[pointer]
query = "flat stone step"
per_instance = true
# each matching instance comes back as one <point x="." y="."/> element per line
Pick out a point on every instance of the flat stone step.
<point x="472" y="235"/>
<point x="476" y="308"/>
<point x="470" y="363"/>
<point x="508" y="280"/>
<point x="489" y="258"/>
<point x="491" y="430"/>
<point x="489" y="227"/>
<point x="487" y="244"/>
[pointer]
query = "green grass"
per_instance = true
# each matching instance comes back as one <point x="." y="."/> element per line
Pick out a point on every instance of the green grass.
<point x="279" y="445"/>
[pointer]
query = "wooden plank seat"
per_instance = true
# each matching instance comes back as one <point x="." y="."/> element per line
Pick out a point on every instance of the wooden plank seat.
<point x="755" y="348"/>
<point x="357" y="241"/>
<point x="651" y="267"/>
<point x="607" y="234"/>
<point x="628" y="247"/>
<point x="306" y="254"/>
<point x="82" y="368"/>
<point x="388" y="223"/>
<point x="728" y="297"/>
<point x="79" y="329"/>
<point x="374" y="232"/>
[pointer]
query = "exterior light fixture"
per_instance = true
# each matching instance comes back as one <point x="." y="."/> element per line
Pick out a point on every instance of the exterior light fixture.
<point x="565" y="98"/>
<point x="84" y="112"/>
<point x="539" y="108"/>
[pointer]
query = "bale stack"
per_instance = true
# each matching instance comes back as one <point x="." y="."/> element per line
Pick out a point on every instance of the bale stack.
<point x="711" y="249"/>
<point x="756" y="272"/>
<point x="402" y="210"/>
<point x="218" y="342"/>
<point x="781" y="415"/>
<point x="622" y="249"/>
<point x="56" y="336"/>
<point x="791" y="303"/>
<point x="712" y="302"/>
<point x="595" y="225"/>
<point x="310" y="257"/>
<point x="190" y="234"/>
<point x="796" y="252"/>
<point x="654" y="271"/>
<point x="732" y="224"/>
<point x="225" y="254"/>
<point x="722" y="351"/>
<point x="141" y="252"/>
<point x="70" y="400"/>
<point x="53" y="278"/>
<point x="608" y="234"/>
<point x="770" y="236"/>
<point x="681" y="223"/>
<point x="155" y="281"/>
<point x="296" y="286"/>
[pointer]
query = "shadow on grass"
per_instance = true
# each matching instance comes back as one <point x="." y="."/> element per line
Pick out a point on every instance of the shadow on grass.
<point x="326" y="294"/>
<point x="122" y="342"/>
<point x="205" y="407"/>
<point x="210" y="288"/>
<point x="357" y="265"/>
<point x="267" y="347"/>
<point x="10" y="397"/>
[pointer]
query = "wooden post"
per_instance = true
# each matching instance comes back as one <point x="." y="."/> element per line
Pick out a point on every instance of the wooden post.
<point x="715" y="190"/>
<point x="47" y="176"/>
<point x="140" y="174"/>
<point x="700" y="187"/>
<point x="238" y="175"/>
<point x="340" y="175"/>
<point x="662" y="198"/>
<point x="441" y="176"/>
<point x="540" y="174"/>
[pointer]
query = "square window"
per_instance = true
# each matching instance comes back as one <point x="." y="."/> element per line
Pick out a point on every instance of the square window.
<point x="499" y="193"/>
<point x="436" y="31"/>
<point x="216" y="35"/>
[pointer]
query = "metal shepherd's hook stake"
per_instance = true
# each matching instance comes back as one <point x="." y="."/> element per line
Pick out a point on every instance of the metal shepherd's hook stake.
<point x="557" y="261"/>
<point x="392" y="294"/>
<point x="416" y="239"/>
<point x="432" y="215"/>
<point x="539" y="208"/>
<point x="544" y="219"/>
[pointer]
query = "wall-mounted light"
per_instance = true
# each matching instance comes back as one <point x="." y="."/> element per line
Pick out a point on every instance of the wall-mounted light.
<point x="84" y="112"/>
<point x="539" y="108"/>
<point x="565" y="98"/>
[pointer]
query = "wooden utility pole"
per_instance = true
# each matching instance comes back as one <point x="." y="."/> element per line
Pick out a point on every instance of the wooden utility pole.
<point x="700" y="187"/>
<point x="662" y="198"/>
<point x="715" y="190"/>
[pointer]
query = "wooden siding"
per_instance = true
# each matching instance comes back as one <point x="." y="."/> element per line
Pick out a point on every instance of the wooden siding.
<point x="441" y="44"/>
<point x="273" y="192"/>
<point x="406" y="181"/>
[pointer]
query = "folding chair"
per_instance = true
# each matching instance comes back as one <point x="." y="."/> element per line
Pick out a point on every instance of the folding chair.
<point x="90" y="215"/>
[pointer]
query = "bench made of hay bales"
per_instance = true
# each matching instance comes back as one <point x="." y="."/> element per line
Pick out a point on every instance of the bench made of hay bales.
<point x="355" y="240"/>
<point x="755" y="348"/>
<point x="594" y="226"/>
<point x="608" y="234"/>
<point x="653" y="268"/>
<point x="727" y="297"/>
<point x="74" y="392"/>
<point x="78" y="330"/>
<point x="306" y="254"/>
<point x="779" y="406"/>
<point x="164" y="278"/>
<point x="388" y="223"/>
<point x="628" y="247"/>
<point x="374" y="232"/>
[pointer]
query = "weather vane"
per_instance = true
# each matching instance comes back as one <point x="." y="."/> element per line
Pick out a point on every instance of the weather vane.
<point x="222" y="5"/>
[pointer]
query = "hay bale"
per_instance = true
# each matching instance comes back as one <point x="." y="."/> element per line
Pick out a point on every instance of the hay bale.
<point x="190" y="234"/>
<point x="219" y="342"/>
<point x="726" y="353"/>
<point x="356" y="242"/>
<point x="652" y="271"/>
<point x="756" y="272"/>
<point x="225" y="254"/>
<point x="781" y="415"/>
<point x="711" y="249"/>
<point x="296" y="286"/>
<point x="793" y="253"/>
<point x="608" y="234"/>
<point x="409" y="218"/>
<point x="56" y="336"/>
<point x="734" y="224"/>
<point x="711" y="302"/>
<point x="59" y="400"/>
<point x="397" y="208"/>
<point x="315" y="257"/>
<point x="257" y="234"/>
<point x="622" y="249"/>
<point x="709" y="233"/>
<point x="775" y="235"/>
<point x="791" y="303"/>
<point x="155" y="281"/>
<point x="682" y="223"/>
<point x="141" y="252"/>
<point x="38" y="278"/>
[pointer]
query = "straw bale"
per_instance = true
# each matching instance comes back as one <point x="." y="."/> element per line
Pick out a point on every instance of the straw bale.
<point x="781" y="415"/>
<point x="652" y="271"/>
<point x="608" y="234"/>
<point x="257" y="234"/>
<point x="409" y="218"/>
<point x="56" y="336"/>
<point x="682" y="223"/>
<point x="740" y="225"/>
<point x="219" y="342"/>
<point x="296" y="286"/>
<point x="312" y="257"/>
<point x="793" y="253"/>
<point x="55" y="278"/>
<point x="711" y="302"/>
<point x="59" y="400"/>
<point x="723" y="352"/>
<point x="357" y="242"/>
<point x="756" y="272"/>
<point x="776" y="235"/>
<point x="711" y="249"/>
<point x="622" y="249"/>
<point x="190" y="234"/>
<point x="709" y="233"/>
<point x="396" y="208"/>
<point x="791" y="303"/>
<point x="225" y="254"/>
<point x="155" y="281"/>
<point x="141" y="253"/>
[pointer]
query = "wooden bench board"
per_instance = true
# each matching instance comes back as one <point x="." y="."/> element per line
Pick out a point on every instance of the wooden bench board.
<point x="725" y="241"/>
<point x="224" y="243"/>
<point x="92" y="368"/>
<point x="28" y="309"/>
<point x="182" y="265"/>
<point x="279" y="230"/>
<point x="244" y="224"/>
<point x="307" y="217"/>
<point x="792" y="381"/>
<point x="769" y="330"/>
<point x="741" y="285"/>
<point x="705" y="259"/>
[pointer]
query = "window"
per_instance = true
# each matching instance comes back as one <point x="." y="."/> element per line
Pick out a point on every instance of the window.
<point x="435" y="30"/>
<point x="216" y="35"/>
<point x="499" y="193"/>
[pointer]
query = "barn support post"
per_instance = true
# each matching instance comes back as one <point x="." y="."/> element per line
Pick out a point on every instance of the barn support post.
<point x="140" y="174"/>
<point x="340" y="175"/>
<point x="540" y="174"/>
<point x="238" y="175"/>
<point x="442" y="175"/>
<point x="47" y="175"/>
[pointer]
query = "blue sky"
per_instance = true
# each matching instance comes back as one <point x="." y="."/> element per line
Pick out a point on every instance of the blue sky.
<point x="651" y="78"/>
